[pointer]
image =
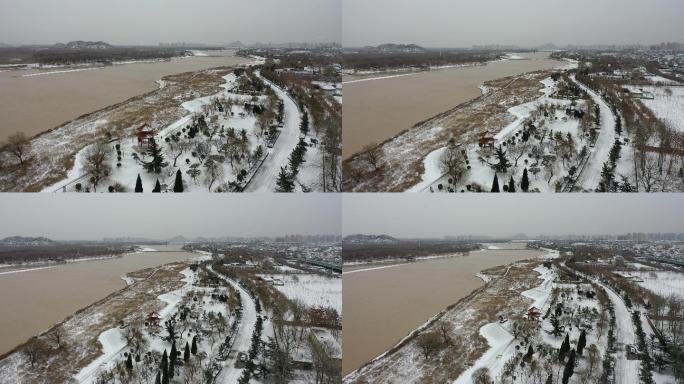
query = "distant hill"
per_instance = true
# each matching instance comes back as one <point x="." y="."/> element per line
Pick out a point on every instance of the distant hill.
<point x="235" y="44"/>
<point x="178" y="239"/>
<point x="391" y="48"/>
<point x="79" y="44"/>
<point x="548" y="46"/>
<point x="26" y="241"/>
<point x="359" y="238"/>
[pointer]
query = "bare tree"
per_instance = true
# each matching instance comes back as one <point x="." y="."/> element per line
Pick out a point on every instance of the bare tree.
<point x="519" y="149"/>
<point x="648" y="167"/>
<point x="429" y="343"/>
<point x="372" y="154"/>
<point x="96" y="165"/>
<point x="56" y="336"/>
<point x="18" y="144"/>
<point x="452" y="162"/>
<point x="35" y="349"/>
<point x="482" y="376"/>
<point x="445" y="331"/>
<point x="213" y="171"/>
<point x="178" y="148"/>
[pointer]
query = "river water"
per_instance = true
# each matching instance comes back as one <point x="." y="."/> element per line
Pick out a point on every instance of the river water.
<point x="33" y="101"/>
<point x="32" y="301"/>
<point x="376" y="110"/>
<point x="381" y="306"/>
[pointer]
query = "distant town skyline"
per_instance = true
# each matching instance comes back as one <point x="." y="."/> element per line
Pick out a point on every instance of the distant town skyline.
<point x="132" y="22"/>
<point x="96" y="216"/>
<point x="504" y="215"/>
<point x="448" y="23"/>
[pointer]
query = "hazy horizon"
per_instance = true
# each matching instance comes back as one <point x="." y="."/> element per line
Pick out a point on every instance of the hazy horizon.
<point x="528" y="23"/>
<point x="504" y="215"/>
<point x="98" y="216"/>
<point x="131" y="22"/>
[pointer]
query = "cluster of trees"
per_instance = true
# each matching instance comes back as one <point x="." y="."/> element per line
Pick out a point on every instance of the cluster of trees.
<point x="404" y="249"/>
<point x="58" y="252"/>
<point x="658" y="147"/>
<point x="321" y="118"/>
<point x="667" y="314"/>
<point x="609" y="182"/>
<point x="377" y="60"/>
<point x="288" y="174"/>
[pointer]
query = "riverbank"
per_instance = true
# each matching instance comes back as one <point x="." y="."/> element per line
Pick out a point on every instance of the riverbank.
<point x="41" y="297"/>
<point x="6" y="269"/>
<point x="52" y="153"/>
<point x="461" y="321"/>
<point x="383" y="305"/>
<point x="80" y="332"/>
<point x="372" y="117"/>
<point x="400" y="164"/>
<point x="34" y="100"/>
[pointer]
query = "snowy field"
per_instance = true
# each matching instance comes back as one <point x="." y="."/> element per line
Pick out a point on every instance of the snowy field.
<point x="662" y="283"/>
<point x="667" y="105"/>
<point x="312" y="290"/>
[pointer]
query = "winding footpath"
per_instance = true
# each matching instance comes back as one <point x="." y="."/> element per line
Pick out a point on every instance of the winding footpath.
<point x="243" y="338"/>
<point x="590" y="175"/>
<point x="265" y="178"/>
<point x="626" y="371"/>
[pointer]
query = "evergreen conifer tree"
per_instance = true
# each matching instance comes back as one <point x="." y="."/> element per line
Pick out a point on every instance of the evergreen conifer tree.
<point x="164" y="365"/>
<point x="284" y="182"/>
<point x="511" y="185"/>
<point x="186" y="353"/>
<point x="582" y="342"/>
<point x="157" y="187"/>
<point x="138" y="185"/>
<point x="565" y="348"/>
<point x="495" y="184"/>
<point x="157" y="163"/>
<point x="178" y="184"/>
<point x="193" y="349"/>
<point x="525" y="182"/>
<point x="569" y="367"/>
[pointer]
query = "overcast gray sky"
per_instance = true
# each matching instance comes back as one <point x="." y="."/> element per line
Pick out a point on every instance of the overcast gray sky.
<point x="154" y="21"/>
<point x="95" y="216"/>
<point x="462" y="23"/>
<point x="420" y="215"/>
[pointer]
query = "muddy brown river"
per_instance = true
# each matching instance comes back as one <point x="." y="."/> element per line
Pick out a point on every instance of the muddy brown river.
<point x="376" y="110"/>
<point x="33" y="101"/>
<point x="33" y="301"/>
<point x="381" y="306"/>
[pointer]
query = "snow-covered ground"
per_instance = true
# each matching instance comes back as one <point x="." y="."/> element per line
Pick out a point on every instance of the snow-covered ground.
<point x="500" y="339"/>
<point x="267" y="175"/>
<point x="667" y="105"/>
<point x="313" y="290"/>
<point x="500" y="342"/>
<point x="590" y="175"/>
<point x="662" y="283"/>
<point x="626" y="371"/>
<point x="113" y="341"/>
<point x="125" y="171"/>
<point x="243" y="338"/>
<point x="557" y="122"/>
